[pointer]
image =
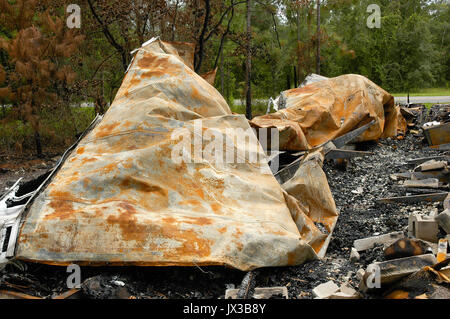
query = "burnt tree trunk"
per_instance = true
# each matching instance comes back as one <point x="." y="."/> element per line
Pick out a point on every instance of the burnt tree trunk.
<point x="295" y="77"/>
<point x="318" y="39"/>
<point x="288" y="80"/>
<point x="222" y="80"/>
<point x="248" y="65"/>
<point x="298" y="43"/>
<point x="37" y="139"/>
<point x="201" y="42"/>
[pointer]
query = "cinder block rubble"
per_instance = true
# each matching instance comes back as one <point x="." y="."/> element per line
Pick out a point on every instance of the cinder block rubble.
<point x="326" y="290"/>
<point x="423" y="227"/>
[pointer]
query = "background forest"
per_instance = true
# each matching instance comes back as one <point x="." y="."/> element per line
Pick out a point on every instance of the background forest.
<point x="48" y="70"/>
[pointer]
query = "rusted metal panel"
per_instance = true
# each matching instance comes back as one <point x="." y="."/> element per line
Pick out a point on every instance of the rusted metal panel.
<point x="438" y="135"/>
<point x="324" y="110"/>
<point x="330" y="149"/>
<point x="121" y="199"/>
<point x="314" y="209"/>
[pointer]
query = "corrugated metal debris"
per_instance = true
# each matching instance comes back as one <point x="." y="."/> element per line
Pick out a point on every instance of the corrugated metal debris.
<point x="121" y="199"/>
<point x="324" y="110"/>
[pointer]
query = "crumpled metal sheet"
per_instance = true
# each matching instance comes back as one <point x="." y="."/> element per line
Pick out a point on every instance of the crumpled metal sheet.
<point x="325" y="110"/>
<point x="311" y="202"/>
<point x="120" y="199"/>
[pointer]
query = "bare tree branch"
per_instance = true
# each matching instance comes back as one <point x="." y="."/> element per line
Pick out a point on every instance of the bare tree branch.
<point x="222" y="40"/>
<point x="221" y="19"/>
<point x="201" y="40"/>
<point x="109" y="36"/>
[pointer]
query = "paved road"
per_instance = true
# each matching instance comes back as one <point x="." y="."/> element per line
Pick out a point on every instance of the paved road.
<point x="412" y="99"/>
<point x="424" y="99"/>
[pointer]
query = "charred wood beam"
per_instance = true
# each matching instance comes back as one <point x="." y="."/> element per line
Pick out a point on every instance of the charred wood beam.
<point x="437" y="197"/>
<point x="345" y="154"/>
<point x="247" y="288"/>
<point x="421" y="160"/>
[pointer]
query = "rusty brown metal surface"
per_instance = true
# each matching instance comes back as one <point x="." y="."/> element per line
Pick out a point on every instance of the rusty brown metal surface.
<point x="120" y="199"/>
<point x="438" y="135"/>
<point x="312" y="203"/>
<point x="325" y="110"/>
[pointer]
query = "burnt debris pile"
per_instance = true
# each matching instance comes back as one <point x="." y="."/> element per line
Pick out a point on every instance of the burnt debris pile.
<point x="341" y="194"/>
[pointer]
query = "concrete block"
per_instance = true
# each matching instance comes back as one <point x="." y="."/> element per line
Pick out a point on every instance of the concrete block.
<point x="367" y="243"/>
<point x="354" y="255"/>
<point x="346" y="292"/>
<point x="326" y="290"/>
<point x="345" y="288"/>
<point x="423" y="227"/>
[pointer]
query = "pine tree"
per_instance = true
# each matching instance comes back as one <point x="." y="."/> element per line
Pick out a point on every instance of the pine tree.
<point x="38" y="70"/>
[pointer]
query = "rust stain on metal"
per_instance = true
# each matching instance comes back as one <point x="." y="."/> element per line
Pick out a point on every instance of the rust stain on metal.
<point x="325" y="110"/>
<point x="131" y="230"/>
<point x="120" y="199"/>
<point x="437" y="135"/>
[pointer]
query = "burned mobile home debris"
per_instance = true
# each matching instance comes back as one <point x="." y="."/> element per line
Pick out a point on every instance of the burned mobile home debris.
<point x="117" y="197"/>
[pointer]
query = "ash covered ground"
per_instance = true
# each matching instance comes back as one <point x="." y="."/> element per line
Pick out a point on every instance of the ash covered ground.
<point x="354" y="189"/>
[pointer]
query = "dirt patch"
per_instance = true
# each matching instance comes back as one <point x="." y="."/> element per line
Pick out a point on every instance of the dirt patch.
<point x="27" y="167"/>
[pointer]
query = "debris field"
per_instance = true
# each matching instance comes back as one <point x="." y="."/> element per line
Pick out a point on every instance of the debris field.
<point x="358" y="207"/>
<point x="354" y="187"/>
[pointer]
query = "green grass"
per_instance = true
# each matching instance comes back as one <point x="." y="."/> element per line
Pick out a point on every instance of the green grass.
<point x="257" y="109"/>
<point x="425" y="92"/>
<point x="59" y="128"/>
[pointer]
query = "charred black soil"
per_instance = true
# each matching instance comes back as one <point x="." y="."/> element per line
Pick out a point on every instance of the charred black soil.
<point x="354" y="189"/>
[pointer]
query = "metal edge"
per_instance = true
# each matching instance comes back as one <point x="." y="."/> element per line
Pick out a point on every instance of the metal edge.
<point x="12" y="243"/>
